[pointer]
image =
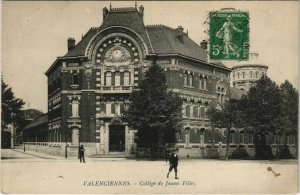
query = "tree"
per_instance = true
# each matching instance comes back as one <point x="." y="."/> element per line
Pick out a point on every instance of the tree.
<point x="289" y="97"/>
<point x="263" y="113"/>
<point x="154" y="112"/>
<point x="226" y="116"/>
<point x="11" y="107"/>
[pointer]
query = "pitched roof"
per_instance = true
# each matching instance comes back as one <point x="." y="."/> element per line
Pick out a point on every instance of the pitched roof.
<point x="40" y="120"/>
<point x="160" y="38"/>
<point x="165" y="41"/>
<point x="79" y="49"/>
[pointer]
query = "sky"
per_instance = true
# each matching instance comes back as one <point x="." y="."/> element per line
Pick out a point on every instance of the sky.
<point x="35" y="33"/>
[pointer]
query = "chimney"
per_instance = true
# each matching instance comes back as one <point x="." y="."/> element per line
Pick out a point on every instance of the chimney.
<point x="203" y="44"/>
<point x="141" y="12"/>
<point x="105" y="12"/>
<point x="179" y="33"/>
<point x="71" y="43"/>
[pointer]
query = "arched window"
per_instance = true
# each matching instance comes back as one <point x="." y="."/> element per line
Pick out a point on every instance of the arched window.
<point x="243" y="75"/>
<point x="251" y="74"/>
<point x="256" y="75"/>
<point x="238" y="75"/>
<point x="108" y="79"/>
<point x="126" y="78"/>
<point x="117" y="79"/>
<point x="185" y="81"/>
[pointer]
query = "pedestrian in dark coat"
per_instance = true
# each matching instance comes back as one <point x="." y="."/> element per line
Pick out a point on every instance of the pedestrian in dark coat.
<point x="173" y="159"/>
<point x="81" y="153"/>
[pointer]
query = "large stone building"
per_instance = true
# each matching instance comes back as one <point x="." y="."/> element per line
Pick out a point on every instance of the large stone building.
<point x="90" y="85"/>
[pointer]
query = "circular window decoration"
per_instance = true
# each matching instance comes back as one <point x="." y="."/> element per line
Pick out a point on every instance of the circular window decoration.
<point x="117" y="51"/>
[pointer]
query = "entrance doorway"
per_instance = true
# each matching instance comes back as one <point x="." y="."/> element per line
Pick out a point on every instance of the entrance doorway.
<point x="116" y="138"/>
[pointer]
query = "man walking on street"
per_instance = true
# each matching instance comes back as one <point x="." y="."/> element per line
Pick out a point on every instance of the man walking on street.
<point x="81" y="154"/>
<point x="173" y="163"/>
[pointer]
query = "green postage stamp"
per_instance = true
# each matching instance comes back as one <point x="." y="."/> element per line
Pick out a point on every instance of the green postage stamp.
<point x="229" y="35"/>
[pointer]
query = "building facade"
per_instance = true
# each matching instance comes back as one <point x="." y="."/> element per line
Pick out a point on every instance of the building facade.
<point x="91" y="84"/>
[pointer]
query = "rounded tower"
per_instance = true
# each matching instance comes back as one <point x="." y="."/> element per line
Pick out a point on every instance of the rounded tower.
<point x="245" y="75"/>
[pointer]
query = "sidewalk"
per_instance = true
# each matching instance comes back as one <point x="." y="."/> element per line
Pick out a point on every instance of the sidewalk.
<point x="43" y="155"/>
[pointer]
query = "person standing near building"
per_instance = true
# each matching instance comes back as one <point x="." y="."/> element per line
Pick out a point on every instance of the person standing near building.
<point x="173" y="159"/>
<point x="81" y="154"/>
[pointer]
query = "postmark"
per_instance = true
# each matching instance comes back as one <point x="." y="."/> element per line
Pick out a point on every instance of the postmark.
<point x="228" y="35"/>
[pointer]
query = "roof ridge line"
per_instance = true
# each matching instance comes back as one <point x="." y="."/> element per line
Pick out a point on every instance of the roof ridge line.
<point x="159" y="25"/>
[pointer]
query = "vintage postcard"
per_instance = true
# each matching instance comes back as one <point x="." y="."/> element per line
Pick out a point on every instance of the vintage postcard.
<point x="149" y="97"/>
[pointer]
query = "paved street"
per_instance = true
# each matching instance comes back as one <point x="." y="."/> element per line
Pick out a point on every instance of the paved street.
<point x="33" y="173"/>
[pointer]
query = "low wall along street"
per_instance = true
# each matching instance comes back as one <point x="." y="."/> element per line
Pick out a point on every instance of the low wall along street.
<point x="236" y="151"/>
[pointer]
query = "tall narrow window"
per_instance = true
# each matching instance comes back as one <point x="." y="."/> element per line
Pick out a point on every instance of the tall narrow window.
<point x="108" y="79"/>
<point x="243" y="75"/>
<point x="250" y="138"/>
<point x="202" y="112"/>
<point x="238" y="75"/>
<point x="187" y="111"/>
<point x="117" y="78"/>
<point x="242" y="137"/>
<point x="113" y="109"/>
<point x="102" y="109"/>
<point x="108" y="109"/>
<point x="75" y="79"/>
<point x="190" y="80"/>
<point x="75" y="106"/>
<point x="195" y="112"/>
<point x="191" y="110"/>
<point x="200" y="83"/>
<point x="204" y="84"/>
<point x="185" y="81"/>
<point x="126" y="78"/>
<point x="183" y="109"/>
<point x="256" y="75"/>
<point x="251" y="74"/>
<point x="232" y="138"/>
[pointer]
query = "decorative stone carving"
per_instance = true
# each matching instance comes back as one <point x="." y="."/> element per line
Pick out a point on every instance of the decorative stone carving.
<point x="88" y="70"/>
<point x="117" y="55"/>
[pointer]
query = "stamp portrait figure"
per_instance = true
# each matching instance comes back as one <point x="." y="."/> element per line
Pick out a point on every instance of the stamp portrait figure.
<point x="226" y="32"/>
